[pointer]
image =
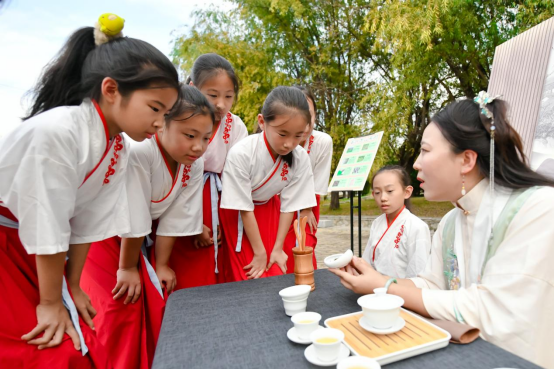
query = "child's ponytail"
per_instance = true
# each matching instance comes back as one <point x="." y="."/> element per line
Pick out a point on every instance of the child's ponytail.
<point x="79" y="69"/>
<point x="60" y="81"/>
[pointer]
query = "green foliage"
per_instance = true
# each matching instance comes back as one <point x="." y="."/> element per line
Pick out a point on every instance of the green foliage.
<point x="373" y="65"/>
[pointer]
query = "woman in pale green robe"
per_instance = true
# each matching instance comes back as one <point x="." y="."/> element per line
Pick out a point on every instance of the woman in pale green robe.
<point x="501" y="280"/>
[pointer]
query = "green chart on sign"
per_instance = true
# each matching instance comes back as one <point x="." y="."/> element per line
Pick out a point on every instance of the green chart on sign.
<point x="355" y="163"/>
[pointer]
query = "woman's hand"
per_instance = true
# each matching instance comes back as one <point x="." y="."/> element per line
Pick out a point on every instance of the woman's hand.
<point x="204" y="239"/>
<point x="83" y="305"/>
<point x="280" y="258"/>
<point x="257" y="266"/>
<point x="128" y="280"/>
<point x="311" y="222"/>
<point x="52" y="319"/>
<point x="360" y="277"/>
<point x="167" y="277"/>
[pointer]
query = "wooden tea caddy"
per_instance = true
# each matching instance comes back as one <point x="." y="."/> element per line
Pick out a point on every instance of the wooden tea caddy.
<point x="303" y="265"/>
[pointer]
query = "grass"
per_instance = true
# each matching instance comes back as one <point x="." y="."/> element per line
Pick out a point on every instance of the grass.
<point x="420" y="207"/>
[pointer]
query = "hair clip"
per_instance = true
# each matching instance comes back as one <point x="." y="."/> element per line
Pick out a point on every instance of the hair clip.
<point x="108" y="27"/>
<point x="483" y="99"/>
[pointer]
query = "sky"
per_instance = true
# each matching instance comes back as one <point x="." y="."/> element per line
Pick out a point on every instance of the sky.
<point x="33" y="31"/>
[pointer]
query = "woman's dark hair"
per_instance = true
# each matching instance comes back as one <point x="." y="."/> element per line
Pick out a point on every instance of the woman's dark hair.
<point x="81" y="66"/>
<point x="192" y="102"/>
<point x="309" y="94"/>
<point x="285" y="100"/>
<point x="207" y="66"/>
<point x="403" y="176"/>
<point x="466" y="128"/>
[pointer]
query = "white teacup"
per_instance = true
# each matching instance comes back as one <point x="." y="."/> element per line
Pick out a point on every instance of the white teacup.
<point x="295" y="307"/>
<point x="295" y="293"/>
<point x="305" y="324"/>
<point x="358" y="362"/>
<point x="381" y="311"/>
<point x="327" y="343"/>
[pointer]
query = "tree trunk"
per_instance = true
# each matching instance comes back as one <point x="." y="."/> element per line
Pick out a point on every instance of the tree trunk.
<point x="335" y="204"/>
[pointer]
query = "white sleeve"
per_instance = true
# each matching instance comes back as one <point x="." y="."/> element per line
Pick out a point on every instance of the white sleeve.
<point x="240" y="130"/>
<point x="513" y="304"/>
<point x="184" y="215"/>
<point x="322" y="169"/>
<point x="417" y="248"/>
<point x="139" y="191"/>
<point x="39" y="182"/>
<point x="237" y="187"/>
<point x="432" y="277"/>
<point x="299" y="193"/>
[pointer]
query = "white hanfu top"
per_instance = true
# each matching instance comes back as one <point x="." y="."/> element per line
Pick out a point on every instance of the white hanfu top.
<point x="155" y="193"/>
<point x="513" y="306"/>
<point x="64" y="179"/>
<point x="401" y="249"/>
<point x="252" y="175"/>
<point x="320" y="150"/>
<point x="231" y="130"/>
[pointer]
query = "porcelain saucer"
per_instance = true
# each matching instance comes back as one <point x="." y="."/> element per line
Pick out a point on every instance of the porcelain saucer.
<point x="310" y="355"/>
<point x="291" y="334"/>
<point x="400" y="323"/>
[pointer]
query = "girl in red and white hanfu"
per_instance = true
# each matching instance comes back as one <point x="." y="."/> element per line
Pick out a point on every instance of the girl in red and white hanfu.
<point x="197" y="260"/>
<point x="399" y="242"/>
<point x="164" y="183"/>
<point x="62" y="186"/>
<point x="258" y="168"/>
<point x="319" y="146"/>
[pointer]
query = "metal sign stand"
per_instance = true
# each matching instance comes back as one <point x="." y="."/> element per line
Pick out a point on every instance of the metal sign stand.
<point x="359" y="207"/>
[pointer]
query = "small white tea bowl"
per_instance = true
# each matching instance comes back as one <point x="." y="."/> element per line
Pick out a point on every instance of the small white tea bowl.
<point x="295" y="293"/>
<point x="305" y="323"/>
<point x="327" y="351"/>
<point x="381" y="311"/>
<point x="339" y="260"/>
<point x="295" y="307"/>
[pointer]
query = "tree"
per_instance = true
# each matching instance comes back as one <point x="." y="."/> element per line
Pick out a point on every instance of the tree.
<point x="373" y="65"/>
<point x="438" y="51"/>
<point x="291" y="41"/>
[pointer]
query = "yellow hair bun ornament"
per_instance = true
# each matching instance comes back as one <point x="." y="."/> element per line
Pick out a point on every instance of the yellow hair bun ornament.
<point x="108" y="27"/>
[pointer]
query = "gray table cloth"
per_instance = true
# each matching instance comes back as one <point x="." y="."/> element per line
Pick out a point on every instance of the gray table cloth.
<point x="243" y="325"/>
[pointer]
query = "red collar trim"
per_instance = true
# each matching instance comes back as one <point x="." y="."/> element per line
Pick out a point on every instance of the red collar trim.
<point x="388" y="227"/>
<point x="271" y="176"/>
<point x="108" y="145"/>
<point x="106" y="131"/>
<point x="213" y="134"/>
<point x="173" y="177"/>
<point x="268" y="148"/>
<point x="172" y="186"/>
<point x="165" y="159"/>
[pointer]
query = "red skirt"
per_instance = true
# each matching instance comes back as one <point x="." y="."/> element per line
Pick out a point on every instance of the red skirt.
<point x="311" y="239"/>
<point x="196" y="267"/>
<point x="19" y="299"/>
<point x="267" y="217"/>
<point x="129" y="332"/>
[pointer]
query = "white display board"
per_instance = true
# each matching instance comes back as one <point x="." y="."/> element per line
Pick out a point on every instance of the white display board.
<point x="355" y="163"/>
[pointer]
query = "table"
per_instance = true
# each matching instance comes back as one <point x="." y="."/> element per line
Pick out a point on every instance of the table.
<point x="243" y="325"/>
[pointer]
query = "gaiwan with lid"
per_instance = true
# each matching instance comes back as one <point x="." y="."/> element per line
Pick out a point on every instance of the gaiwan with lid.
<point x="381" y="310"/>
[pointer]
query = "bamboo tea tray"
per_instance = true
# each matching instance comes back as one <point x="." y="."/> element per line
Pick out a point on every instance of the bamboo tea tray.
<point x="417" y="337"/>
